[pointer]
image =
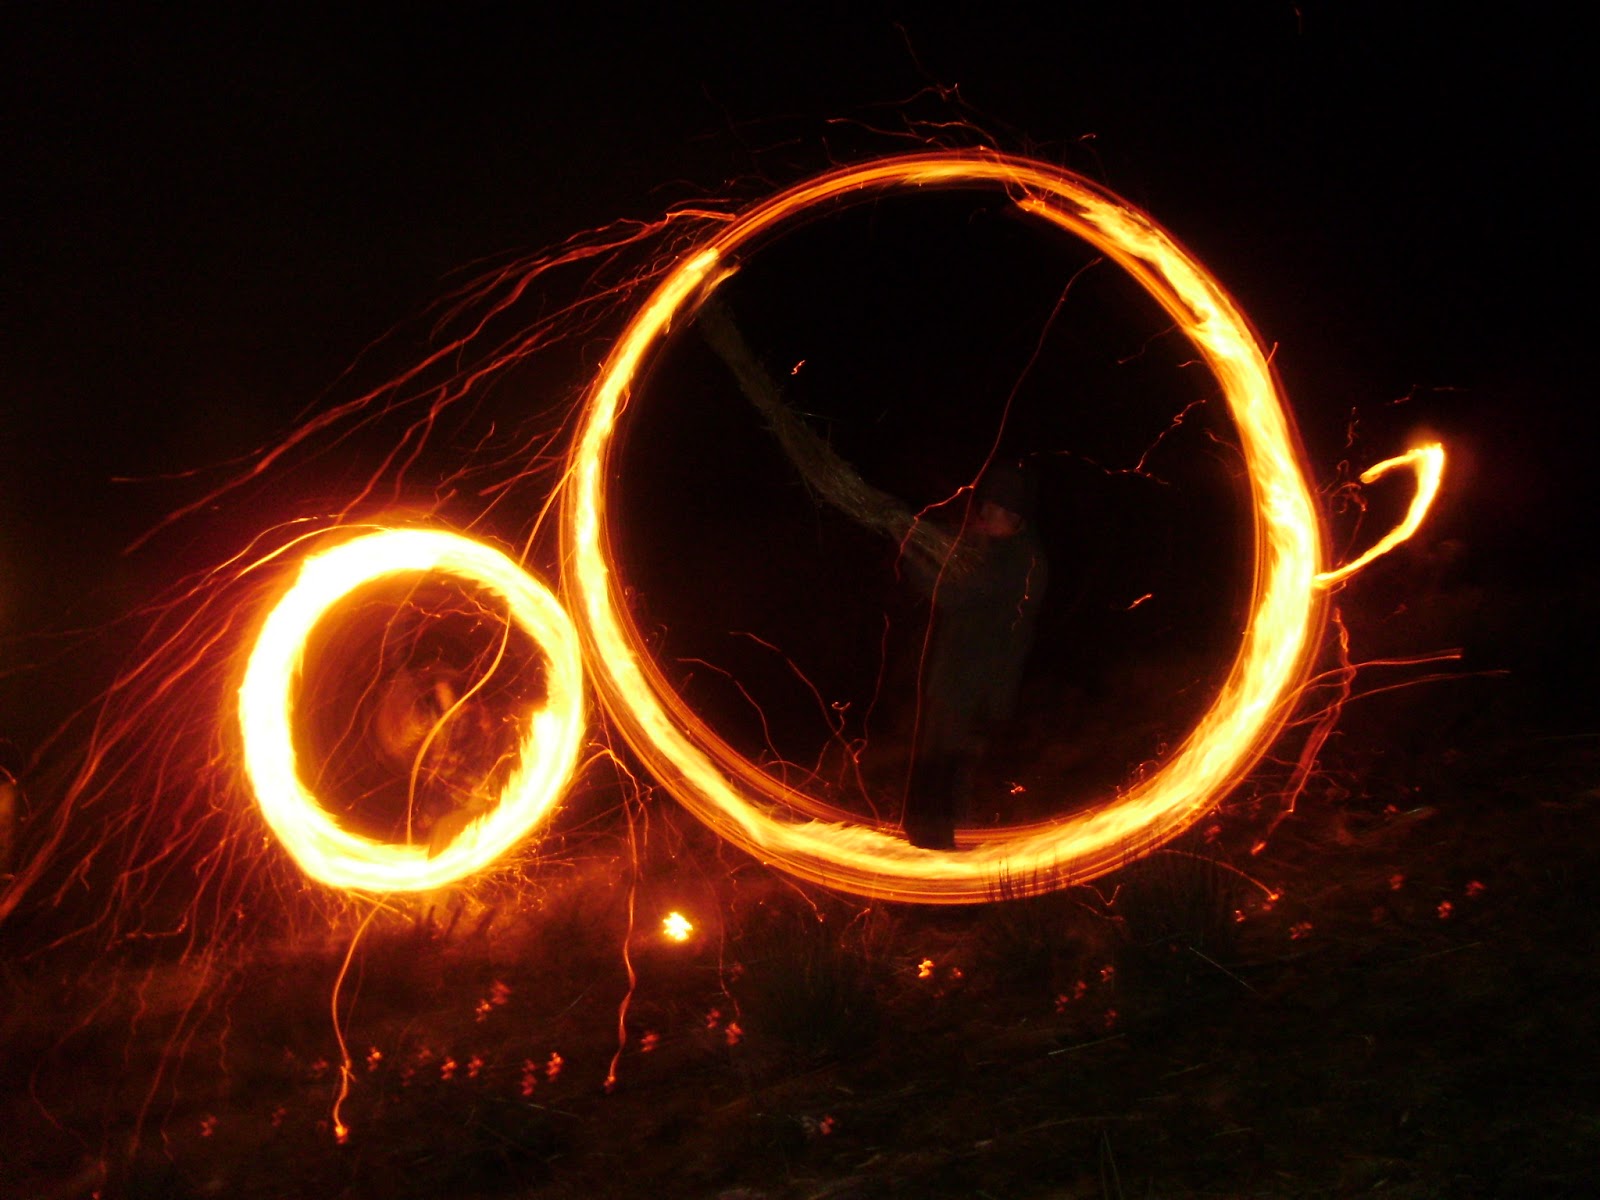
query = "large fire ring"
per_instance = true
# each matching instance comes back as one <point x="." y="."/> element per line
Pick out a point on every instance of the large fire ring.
<point x="757" y="812"/>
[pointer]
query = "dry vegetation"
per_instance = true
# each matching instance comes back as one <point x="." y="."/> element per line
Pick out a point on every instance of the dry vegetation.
<point x="1411" y="1018"/>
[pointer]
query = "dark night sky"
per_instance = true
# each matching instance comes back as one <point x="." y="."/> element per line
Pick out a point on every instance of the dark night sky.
<point x="207" y="220"/>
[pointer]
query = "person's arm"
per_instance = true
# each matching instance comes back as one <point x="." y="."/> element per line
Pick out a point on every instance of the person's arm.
<point x="830" y="478"/>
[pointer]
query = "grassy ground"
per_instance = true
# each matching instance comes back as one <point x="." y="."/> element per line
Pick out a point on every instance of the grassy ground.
<point x="1412" y="1017"/>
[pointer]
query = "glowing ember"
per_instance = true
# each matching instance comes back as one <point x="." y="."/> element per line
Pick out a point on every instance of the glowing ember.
<point x="547" y="752"/>
<point x="766" y="818"/>
<point x="677" y="927"/>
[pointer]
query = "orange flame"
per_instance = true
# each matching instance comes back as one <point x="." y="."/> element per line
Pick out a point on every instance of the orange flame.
<point x="548" y="752"/>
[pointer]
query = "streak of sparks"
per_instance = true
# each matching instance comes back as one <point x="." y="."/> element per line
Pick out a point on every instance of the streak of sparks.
<point x="547" y="753"/>
<point x="627" y="963"/>
<point x="341" y="1131"/>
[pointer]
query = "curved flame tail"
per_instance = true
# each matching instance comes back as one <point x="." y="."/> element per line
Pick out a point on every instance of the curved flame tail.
<point x="1427" y="464"/>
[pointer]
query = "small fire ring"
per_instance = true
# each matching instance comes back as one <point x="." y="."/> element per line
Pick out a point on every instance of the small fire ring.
<point x="546" y="755"/>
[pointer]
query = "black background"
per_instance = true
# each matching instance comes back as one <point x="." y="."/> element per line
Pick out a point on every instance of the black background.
<point x="208" y="217"/>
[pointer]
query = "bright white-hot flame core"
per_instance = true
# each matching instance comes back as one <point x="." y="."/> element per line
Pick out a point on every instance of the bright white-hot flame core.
<point x="547" y="753"/>
<point x="677" y="926"/>
<point x="756" y="811"/>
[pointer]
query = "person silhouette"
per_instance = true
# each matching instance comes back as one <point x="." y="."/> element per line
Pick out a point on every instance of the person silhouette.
<point x="986" y="580"/>
<point x="985" y="608"/>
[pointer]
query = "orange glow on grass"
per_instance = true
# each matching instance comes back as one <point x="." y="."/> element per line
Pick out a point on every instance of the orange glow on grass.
<point x="834" y="848"/>
<point x="548" y="750"/>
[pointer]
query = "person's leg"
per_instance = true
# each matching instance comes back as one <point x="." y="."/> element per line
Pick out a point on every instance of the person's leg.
<point x="930" y="812"/>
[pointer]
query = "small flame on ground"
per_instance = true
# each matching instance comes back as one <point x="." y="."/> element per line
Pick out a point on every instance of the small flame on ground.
<point x="677" y="927"/>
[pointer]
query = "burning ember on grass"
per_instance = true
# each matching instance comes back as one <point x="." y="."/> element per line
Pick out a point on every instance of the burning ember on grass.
<point x="741" y="801"/>
<point x="677" y="927"/>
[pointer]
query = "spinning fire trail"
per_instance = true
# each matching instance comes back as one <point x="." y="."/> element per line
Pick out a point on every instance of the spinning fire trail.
<point x="753" y="810"/>
<point x="743" y="803"/>
<point x="547" y="754"/>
